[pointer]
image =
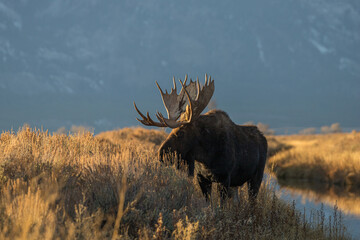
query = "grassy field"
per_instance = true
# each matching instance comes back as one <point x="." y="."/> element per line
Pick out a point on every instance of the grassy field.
<point x="328" y="158"/>
<point x="112" y="187"/>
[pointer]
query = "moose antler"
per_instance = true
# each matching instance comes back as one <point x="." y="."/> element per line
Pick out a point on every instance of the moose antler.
<point x="147" y="120"/>
<point x="177" y="106"/>
<point x="201" y="99"/>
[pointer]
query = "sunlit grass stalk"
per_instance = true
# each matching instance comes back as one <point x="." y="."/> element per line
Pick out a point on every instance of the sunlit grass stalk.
<point x="120" y="212"/>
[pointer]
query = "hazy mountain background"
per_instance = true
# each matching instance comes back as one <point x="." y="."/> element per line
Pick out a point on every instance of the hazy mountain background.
<point x="289" y="63"/>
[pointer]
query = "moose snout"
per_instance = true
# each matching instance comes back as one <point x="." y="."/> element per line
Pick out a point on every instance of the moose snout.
<point x="163" y="151"/>
<point x="161" y="155"/>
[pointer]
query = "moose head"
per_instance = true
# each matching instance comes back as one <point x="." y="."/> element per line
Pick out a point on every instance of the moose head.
<point x="183" y="110"/>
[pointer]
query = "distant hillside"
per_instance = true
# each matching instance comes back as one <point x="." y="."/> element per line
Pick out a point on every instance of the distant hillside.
<point x="140" y="135"/>
<point x="285" y="63"/>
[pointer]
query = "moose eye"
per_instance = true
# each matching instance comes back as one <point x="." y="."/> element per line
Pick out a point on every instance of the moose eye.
<point x="180" y="134"/>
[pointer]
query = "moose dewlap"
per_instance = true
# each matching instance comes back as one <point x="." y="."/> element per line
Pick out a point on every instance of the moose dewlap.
<point x="220" y="150"/>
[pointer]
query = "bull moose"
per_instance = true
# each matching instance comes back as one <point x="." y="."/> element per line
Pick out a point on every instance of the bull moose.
<point x="212" y="144"/>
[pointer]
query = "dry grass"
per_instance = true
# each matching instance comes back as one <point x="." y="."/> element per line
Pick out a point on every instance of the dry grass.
<point x="112" y="187"/>
<point x="330" y="158"/>
<point x="275" y="146"/>
<point x="138" y="134"/>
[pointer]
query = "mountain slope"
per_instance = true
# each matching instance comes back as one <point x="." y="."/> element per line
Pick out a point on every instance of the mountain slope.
<point x="274" y="61"/>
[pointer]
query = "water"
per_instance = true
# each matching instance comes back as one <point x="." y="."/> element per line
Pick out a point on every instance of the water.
<point x="311" y="196"/>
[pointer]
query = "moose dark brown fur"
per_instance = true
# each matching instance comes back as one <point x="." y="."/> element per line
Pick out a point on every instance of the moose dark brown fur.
<point x="212" y="145"/>
<point x="220" y="151"/>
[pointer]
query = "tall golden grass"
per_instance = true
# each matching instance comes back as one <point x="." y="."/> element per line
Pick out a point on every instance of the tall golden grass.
<point x="331" y="158"/>
<point x="57" y="186"/>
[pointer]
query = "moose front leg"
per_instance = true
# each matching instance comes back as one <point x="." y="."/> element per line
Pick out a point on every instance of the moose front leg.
<point x="224" y="190"/>
<point x="191" y="167"/>
<point x="205" y="185"/>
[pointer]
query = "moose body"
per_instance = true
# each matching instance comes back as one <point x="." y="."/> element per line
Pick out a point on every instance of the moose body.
<point x="211" y="145"/>
<point x="220" y="151"/>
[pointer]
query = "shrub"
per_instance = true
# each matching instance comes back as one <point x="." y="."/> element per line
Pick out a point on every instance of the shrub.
<point x="307" y="131"/>
<point x="333" y="128"/>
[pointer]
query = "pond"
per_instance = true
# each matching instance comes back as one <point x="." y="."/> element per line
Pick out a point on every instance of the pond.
<point x="314" y="196"/>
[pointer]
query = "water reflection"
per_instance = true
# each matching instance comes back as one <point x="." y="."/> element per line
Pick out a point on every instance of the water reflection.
<point x="310" y="195"/>
<point x="346" y="198"/>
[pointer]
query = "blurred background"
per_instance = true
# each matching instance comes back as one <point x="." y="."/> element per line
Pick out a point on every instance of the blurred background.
<point x="289" y="64"/>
